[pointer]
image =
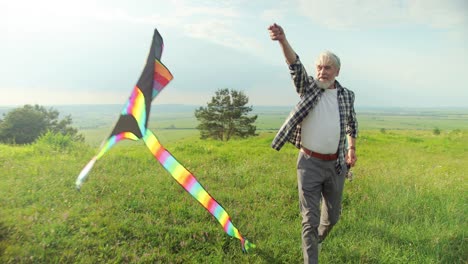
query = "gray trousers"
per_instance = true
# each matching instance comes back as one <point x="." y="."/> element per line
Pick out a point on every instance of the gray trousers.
<point x="318" y="182"/>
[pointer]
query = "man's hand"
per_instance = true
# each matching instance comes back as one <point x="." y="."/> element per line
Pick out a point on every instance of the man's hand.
<point x="351" y="157"/>
<point x="276" y="32"/>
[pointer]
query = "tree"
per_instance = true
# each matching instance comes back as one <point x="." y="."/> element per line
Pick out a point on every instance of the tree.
<point x="25" y="124"/>
<point x="226" y="116"/>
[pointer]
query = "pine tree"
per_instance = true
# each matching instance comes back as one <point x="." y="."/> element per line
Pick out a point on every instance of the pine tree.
<point x="226" y="116"/>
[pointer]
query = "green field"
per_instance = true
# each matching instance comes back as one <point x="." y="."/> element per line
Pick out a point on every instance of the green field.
<point x="407" y="203"/>
<point x="171" y="122"/>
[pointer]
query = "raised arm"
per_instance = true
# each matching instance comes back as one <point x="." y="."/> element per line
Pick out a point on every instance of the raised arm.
<point x="298" y="72"/>
<point x="277" y="33"/>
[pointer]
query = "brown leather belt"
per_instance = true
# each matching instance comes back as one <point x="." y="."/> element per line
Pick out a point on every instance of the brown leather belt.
<point x="320" y="155"/>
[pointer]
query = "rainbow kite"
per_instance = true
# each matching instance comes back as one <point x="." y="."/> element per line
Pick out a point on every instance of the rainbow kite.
<point x="133" y="125"/>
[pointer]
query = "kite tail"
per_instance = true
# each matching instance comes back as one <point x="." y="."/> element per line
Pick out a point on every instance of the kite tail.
<point x="246" y="245"/>
<point x="192" y="186"/>
<point x="84" y="173"/>
<point x="105" y="147"/>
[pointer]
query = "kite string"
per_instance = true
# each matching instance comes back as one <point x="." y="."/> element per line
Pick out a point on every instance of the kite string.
<point x="188" y="181"/>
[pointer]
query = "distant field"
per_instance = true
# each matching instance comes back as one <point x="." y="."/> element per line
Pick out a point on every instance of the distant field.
<point x="425" y="119"/>
<point x="172" y="122"/>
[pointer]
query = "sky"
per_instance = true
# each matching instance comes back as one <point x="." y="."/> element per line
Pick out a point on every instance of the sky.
<point x="394" y="53"/>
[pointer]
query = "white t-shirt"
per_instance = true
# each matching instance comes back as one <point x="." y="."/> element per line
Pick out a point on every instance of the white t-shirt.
<point x="321" y="127"/>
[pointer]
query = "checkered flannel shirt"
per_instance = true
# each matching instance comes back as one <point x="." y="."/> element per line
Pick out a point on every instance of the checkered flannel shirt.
<point x="310" y="93"/>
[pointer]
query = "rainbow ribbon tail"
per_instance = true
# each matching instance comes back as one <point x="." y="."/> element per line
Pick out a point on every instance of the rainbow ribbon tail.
<point x="188" y="181"/>
<point x="84" y="173"/>
<point x="105" y="146"/>
<point x="247" y="245"/>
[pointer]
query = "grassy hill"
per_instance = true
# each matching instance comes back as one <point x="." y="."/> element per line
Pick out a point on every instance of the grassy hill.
<point x="407" y="204"/>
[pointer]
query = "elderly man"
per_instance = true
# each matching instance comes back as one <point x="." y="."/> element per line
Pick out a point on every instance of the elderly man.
<point x="323" y="126"/>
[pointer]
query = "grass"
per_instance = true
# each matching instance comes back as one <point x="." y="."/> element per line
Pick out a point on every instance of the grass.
<point x="407" y="203"/>
<point x="95" y="137"/>
<point x="410" y="200"/>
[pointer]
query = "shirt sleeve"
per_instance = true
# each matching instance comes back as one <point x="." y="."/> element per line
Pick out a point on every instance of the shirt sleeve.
<point x="352" y="124"/>
<point x="299" y="76"/>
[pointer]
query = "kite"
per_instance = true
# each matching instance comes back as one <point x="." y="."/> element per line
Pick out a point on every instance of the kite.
<point x="133" y="124"/>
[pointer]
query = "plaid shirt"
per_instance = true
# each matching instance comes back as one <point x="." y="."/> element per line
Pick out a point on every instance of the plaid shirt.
<point x="310" y="93"/>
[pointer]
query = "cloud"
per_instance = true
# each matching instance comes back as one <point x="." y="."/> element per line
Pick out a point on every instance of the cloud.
<point x="229" y="24"/>
<point x="272" y="15"/>
<point x="22" y="16"/>
<point x="357" y="14"/>
<point x="439" y="14"/>
<point x="351" y="14"/>
<point x="220" y="24"/>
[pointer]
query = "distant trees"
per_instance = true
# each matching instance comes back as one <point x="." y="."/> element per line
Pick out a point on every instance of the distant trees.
<point x="25" y="124"/>
<point x="226" y="116"/>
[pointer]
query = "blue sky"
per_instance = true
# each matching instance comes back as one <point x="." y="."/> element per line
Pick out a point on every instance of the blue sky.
<point x="394" y="53"/>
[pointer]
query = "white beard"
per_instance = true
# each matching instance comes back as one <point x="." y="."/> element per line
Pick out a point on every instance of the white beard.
<point x="324" y="85"/>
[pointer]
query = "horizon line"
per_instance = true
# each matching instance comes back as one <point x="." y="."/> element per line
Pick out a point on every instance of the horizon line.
<point x="258" y="105"/>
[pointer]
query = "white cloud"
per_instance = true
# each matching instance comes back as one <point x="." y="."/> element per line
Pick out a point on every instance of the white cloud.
<point x="439" y="14"/>
<point x="217" y="24"/>
<point x="351" y="14"/>
<point x="24" y="16"/>
<point x="356" y="14"/>
<point x="272" y="15"/>
<point x="222" y="23"/>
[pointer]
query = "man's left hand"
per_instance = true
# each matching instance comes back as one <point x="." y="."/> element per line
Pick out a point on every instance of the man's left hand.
<point x="351" y="157"/>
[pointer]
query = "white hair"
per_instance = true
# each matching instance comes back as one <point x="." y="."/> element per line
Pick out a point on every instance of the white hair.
<point x="327" y="56"/>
